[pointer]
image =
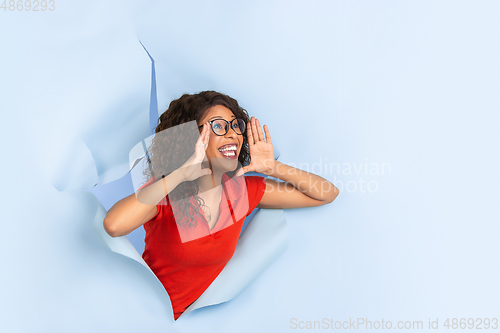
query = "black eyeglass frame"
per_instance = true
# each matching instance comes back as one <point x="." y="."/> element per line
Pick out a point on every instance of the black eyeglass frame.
<point x="227" y="126"/>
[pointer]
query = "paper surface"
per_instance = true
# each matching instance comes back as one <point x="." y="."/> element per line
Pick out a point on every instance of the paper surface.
<point x="262" y="241"/>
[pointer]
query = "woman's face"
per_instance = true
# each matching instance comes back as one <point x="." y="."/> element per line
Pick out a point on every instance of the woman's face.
<point x="222" y="151"/>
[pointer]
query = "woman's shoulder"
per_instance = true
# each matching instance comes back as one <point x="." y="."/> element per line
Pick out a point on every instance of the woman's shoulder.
<point x="255" y="181"/>
<point x="256" y="186"/>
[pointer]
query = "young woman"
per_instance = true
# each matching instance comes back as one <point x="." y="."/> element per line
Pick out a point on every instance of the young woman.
<point x="192" y="212"/>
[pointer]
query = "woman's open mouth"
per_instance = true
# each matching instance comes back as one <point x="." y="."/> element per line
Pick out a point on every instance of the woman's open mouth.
<point x="229" y="151"/>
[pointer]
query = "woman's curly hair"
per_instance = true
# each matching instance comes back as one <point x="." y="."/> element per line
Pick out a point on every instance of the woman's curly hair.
<point x="168" y="152"/>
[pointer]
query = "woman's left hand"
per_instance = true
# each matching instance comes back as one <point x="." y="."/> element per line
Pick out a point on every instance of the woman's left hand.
<point x="261" y="149"/>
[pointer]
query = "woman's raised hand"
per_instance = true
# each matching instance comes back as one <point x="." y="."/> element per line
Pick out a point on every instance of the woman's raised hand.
<point x="191" y="170"/>
<point x="261" y="149"/>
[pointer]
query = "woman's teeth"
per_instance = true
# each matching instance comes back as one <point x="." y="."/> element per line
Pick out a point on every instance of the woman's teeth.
<point x="228" y="151"/>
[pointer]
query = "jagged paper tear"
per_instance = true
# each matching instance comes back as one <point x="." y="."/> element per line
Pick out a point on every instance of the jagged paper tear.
<point x="264" y="240"/>
<point x="261" y="242"/>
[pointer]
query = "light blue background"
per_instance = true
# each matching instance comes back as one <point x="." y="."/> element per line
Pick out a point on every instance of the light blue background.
<point x="409" y="84"/>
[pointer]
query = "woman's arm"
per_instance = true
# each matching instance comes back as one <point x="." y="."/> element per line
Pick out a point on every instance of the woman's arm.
<point x="133" y="211"/>
<point x="299" y="189"/>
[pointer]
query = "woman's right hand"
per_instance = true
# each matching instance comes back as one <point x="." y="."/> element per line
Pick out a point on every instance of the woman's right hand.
<point x="131" y="212"/>
<point x="191" y="170"/>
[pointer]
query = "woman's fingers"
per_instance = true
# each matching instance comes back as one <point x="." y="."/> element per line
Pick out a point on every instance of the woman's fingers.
<point x="259" y="130"/>
<point x="206" y="128"/>
<point x="255" y="133"/>
<point x="249" y="133"/>
<point x="204" y="137"/>
<point x="199" y="152"/>
<point x="268" y="135"/>
<point x="192" y="168"/>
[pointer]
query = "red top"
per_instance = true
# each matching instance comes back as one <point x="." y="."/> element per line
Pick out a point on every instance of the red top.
<point x="187" y="261"/>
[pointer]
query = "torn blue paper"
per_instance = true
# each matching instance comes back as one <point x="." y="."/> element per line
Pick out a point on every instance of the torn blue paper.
<point x="261" y="242"/>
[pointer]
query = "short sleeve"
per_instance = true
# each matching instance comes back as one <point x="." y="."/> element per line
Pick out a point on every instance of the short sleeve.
<point x="256" y="186"/>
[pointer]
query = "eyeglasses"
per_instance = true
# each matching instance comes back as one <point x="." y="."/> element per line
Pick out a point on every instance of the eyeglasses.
<point x="220" y="127"/>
